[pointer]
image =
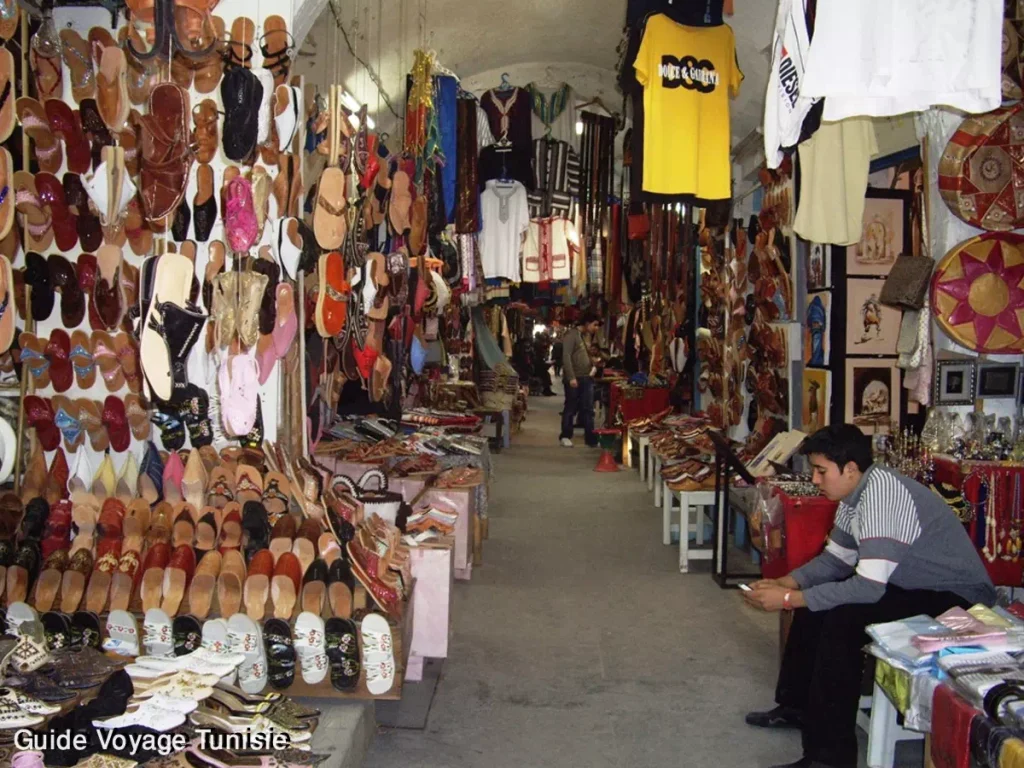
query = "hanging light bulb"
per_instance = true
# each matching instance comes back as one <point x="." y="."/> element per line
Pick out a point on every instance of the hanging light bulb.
<point x="46" y="41"/>
<point x="579" y="127"/>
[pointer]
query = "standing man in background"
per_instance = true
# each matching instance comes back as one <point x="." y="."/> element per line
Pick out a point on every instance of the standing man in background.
<point x="578" y="378"/>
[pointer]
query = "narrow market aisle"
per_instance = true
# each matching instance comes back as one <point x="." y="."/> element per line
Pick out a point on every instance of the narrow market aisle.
<point x="579" y="643"/>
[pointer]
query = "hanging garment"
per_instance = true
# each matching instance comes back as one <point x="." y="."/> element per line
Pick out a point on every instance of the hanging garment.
<point x="498" y="163"/>
<point x="447" y="90"/>
<point x="467" y="211"/>
<point x="556" y="179"/>
<point x="510" y="115"/>
<point x="834" y="176"/>
<point x="548" y="250"/>
<point x="785" y="108"/>
<point x="951" y="729"/>
<point x="688" y="74"/>
<point x="506" y="216"/>
<point x="554" y="113"/>
<point x="881" y="58"/>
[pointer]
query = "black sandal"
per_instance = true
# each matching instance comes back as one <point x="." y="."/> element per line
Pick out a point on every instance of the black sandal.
<point x="194" y="410"/>
<point x="188" y="635"/>
<point x="86" y="629"/>
<point x="278" y="62"/>
<point x="277" y="641"/>
<point x="172" y="431"/>
<point x="57" y="629"/>
<point x="343" y="653"/>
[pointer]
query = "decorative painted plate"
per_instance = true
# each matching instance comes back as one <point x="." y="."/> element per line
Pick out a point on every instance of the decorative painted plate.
<point x="978" y="293"/>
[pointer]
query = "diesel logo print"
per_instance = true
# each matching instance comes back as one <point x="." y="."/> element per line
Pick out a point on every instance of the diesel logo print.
<point x="688" y="72"/>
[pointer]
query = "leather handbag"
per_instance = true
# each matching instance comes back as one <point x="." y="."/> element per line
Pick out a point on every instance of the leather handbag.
<point x="908" y="281"/>
<point x="981" y="172"/>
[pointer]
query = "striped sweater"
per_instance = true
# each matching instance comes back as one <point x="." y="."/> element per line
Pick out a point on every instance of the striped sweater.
<point x="893" y="529"/>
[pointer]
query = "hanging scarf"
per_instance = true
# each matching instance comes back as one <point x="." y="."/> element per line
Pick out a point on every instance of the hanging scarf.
<point x="951" y="729"/>
<point x="467" y="212"/>
<point x="447" y="89"/>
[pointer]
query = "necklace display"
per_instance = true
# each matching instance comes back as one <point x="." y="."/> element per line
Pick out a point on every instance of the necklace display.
<point x="991" y="549"/>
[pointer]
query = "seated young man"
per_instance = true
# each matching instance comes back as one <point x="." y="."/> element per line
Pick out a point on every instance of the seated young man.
<point x="896" y="550"/>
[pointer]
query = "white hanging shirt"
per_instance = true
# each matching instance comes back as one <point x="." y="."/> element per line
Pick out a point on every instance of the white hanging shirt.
<point x="785" y="107"/>
<point x="505" y="215"/>
<point x="890" y="57"/>
<point x="549" y="245"/>
<point x="834" y="166"/>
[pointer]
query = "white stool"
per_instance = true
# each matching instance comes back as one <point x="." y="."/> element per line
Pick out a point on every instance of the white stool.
<point x="643" y="442"/>
<point x="687" y="500"/>
<point x="882" y="728"/>
<point x="656" y="481"/>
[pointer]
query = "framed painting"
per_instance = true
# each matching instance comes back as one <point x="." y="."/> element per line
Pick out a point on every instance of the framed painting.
<point x="955" y="382"/>
<point x="819" y="266"/>
<point x="817" y="323"/>
<point x="885" y="233"/>
<point x="816" y="399"/>
<point x="997" y="381"/>
<point x="872" y="328"/>
<point x="872" y="395"/>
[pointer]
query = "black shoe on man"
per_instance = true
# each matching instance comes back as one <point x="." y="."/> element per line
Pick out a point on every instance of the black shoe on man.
<point x="780" y="717"/>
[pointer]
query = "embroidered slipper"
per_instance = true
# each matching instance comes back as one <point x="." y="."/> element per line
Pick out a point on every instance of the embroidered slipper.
<point x="310" y="643"/>
<point x="280" y="652"/>
<point x="30" y="652"/>
<point x="378" y="654"/>
<point x="159" y="637"/>
<point x="342" y="649"/>
<point x="245" y="638"/>
<point x="122" y="634"/>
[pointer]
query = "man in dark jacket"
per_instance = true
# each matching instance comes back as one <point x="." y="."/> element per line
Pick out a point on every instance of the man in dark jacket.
<point x="578" y="378"/>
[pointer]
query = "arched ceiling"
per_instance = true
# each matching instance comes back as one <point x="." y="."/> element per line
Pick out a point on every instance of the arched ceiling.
<point x="533" y="40"/>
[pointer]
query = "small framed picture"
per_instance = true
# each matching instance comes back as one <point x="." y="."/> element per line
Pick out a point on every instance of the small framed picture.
<point x="998" y="381"/>
<point x="954" y="382"/>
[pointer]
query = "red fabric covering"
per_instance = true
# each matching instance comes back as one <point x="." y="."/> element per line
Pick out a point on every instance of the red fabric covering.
<point x="951" y="729"/>
<point x="654" y="400"/>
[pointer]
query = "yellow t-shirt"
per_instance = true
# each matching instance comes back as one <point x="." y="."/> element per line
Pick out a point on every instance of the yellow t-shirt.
<point x="688" y="74"/>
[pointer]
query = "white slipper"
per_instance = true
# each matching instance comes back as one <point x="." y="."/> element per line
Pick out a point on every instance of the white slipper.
<point x="286" y="252"/>
<point x="246" y="638"/>
<point x="17" y="614"/>
<point x="122" y="634"/>
<point x="180" y="685"/>
<point x="30" y="652"/>
<point x="13" y="717"/>
<point x="182" y="704"/>
<point x="288" y="118"/>
<point x="378" y="654"/>
<point x="310" y="647"/>
<point x="266" y="78"/>
<point x="154" y="717"/>
<point x="10" y="446"/>
<point x="215" y="639"/>
<point x="159" y="636"/>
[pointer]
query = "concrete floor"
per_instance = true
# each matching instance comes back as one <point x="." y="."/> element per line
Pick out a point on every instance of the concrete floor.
<point x="579" y="643"/>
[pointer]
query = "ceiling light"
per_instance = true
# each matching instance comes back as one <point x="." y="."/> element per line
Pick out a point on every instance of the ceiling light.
<point x="354" y="120"/>
<point x="579" y="127"/>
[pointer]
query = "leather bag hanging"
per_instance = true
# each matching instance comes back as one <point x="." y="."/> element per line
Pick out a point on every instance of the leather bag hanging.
<point x="981" y="172"/>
